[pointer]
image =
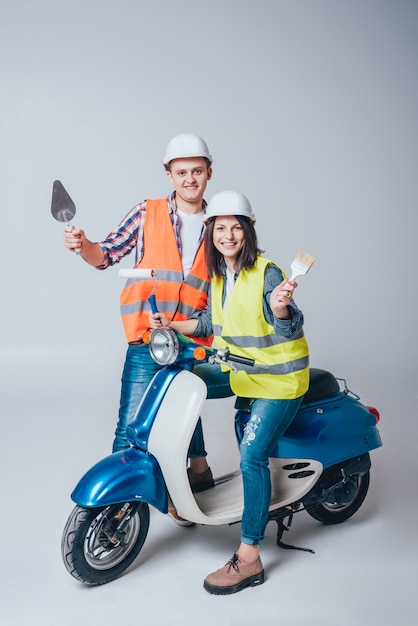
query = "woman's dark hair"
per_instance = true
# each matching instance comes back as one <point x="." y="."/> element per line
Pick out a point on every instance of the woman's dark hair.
<point x="248" y="254"/>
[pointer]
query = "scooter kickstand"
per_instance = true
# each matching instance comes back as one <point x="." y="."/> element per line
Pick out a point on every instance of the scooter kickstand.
<point x="281" y="527"/>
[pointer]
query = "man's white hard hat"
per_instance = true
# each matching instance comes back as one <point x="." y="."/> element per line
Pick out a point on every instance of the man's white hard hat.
<point x="229" y="203"/>
<point x="185" y="146"/>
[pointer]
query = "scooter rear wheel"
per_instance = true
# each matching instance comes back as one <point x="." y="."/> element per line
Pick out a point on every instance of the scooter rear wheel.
<point x="99" y="544"/>
<point x="334" y="513"/>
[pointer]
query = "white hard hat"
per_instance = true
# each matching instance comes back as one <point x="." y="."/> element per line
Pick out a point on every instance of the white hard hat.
<point x="184" y="146"/>
<point x="229" y="203"/>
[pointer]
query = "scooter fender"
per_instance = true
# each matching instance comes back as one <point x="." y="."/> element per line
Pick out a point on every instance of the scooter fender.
<point x="125" y="476"/>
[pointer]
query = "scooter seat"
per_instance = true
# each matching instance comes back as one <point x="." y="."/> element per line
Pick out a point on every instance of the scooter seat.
<point x="322" y="384"/>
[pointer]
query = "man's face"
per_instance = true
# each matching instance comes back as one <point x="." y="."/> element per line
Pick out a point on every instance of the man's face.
<point x="189" y="178"/>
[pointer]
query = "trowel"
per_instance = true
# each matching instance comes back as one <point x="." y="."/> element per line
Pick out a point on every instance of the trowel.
<point x="62" y="206"/>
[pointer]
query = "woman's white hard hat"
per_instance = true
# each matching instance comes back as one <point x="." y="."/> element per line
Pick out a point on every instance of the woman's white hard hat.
<point x="229" y="203"/>
<point x="185" y="146"/>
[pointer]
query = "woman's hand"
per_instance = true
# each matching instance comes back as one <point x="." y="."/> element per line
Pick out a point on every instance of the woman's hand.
<point x="280" y="298"/>
<point x="156" y="320"/>
<point x="185" y="327"/>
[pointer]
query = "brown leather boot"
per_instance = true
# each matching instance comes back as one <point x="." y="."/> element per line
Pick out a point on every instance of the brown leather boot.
<point x="235" y="576"/>
<point x="200" y="481"/>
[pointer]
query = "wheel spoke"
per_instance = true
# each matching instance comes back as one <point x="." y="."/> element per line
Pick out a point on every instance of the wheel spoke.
<point x="99" y="544"/>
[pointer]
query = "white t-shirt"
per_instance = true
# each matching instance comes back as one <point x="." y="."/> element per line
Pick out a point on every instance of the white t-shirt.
<point x="190" y="230"/>
<point x="229" y="284"/>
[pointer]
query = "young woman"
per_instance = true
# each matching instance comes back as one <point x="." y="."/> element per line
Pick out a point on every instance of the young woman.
<point x="250" y="310"/>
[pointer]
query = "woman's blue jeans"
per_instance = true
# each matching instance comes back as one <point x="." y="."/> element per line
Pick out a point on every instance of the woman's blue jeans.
<point x="269" y="420"/>
<point x="138" y="371"/>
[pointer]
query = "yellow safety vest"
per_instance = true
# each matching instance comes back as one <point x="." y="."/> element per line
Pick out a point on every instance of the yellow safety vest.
<point x="281" y="369"/>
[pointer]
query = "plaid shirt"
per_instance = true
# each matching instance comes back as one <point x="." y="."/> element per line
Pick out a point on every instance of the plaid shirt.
<point x="130" y="234"/>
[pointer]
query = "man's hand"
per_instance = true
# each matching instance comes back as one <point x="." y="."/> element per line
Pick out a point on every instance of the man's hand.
<point x="73" y="238"/>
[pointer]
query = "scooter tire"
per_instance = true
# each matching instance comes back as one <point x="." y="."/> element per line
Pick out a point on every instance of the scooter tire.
<point x="333" y="513"/>
<point x="87" y="549"/>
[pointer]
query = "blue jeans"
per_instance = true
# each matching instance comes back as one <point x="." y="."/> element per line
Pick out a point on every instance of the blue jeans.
<point x="269" y="419"/>
<point x="138" y="371"/>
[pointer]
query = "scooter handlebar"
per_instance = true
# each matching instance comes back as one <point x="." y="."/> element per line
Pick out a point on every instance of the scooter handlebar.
<point x="225" y="355"/>
<point x="240" y="359"/>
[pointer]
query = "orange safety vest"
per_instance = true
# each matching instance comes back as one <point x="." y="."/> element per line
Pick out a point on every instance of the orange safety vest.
<point x="177" y="297"/>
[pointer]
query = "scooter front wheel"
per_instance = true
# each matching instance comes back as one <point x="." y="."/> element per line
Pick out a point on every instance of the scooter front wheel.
<point x="333" y="512"/>
<point x="99" y="544"/>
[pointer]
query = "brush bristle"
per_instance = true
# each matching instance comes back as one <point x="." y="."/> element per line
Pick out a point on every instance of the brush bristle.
<point x="305" y="259"/>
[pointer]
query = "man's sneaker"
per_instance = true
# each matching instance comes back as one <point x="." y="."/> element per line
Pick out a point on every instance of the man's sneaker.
<point x="235" y="576"/>
<point x="172" y="512"/>
<point x="200" y="481"/>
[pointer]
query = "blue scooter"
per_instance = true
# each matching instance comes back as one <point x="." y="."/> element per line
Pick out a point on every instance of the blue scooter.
<point x="320" y="465"/>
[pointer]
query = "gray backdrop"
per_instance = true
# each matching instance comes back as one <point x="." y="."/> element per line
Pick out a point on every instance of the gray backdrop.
<point x="309" y="108"/>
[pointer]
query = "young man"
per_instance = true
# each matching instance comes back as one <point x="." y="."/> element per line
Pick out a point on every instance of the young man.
<point x="166" y="234"/>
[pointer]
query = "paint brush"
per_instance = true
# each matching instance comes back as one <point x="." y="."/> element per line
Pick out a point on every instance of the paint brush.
<point x="301" y="264"/>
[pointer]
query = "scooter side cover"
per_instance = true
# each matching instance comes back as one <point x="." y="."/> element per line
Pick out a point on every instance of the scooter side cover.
<point x="330" y="431"/>
<point x="125" y="476"/>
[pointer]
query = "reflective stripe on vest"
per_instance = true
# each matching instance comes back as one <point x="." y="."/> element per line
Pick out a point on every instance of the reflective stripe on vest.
<point x="281" y="369"/>
<point x="176" y="297"/>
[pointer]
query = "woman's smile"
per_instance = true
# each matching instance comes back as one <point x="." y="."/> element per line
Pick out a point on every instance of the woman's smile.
<point x="228" y="237"/>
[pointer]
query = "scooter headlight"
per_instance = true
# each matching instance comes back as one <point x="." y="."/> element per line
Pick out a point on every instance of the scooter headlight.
<point x="163" y="346"/>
